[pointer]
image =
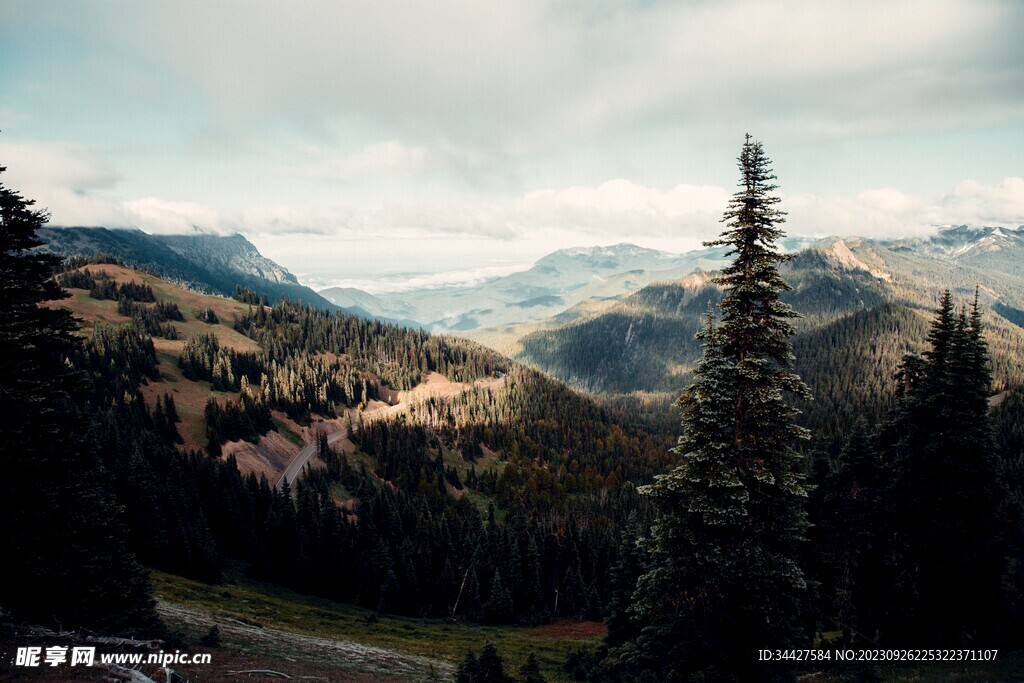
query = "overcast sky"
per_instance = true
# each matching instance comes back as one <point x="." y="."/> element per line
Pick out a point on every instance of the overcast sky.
<point x="349" y="139"/>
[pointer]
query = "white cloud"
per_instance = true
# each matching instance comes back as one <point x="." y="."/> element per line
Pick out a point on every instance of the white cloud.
<point x="168" y="217"/>
<point x="76" y="184"/>
<point x="620" y="210"/>
<point x="617" y="205"/>
<point x="66" y="179"/>
<point x="977" y="203"/>
<point x="392" y="285"/>
<point x="874" y="213"/>
<point x="887" y="212"/>
<point x="388" y="159"/>
<point x="524" y="78"/>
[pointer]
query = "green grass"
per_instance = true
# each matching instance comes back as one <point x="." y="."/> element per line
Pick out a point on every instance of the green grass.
<point x="275" y="607"/>
<point x="340" y="493"/>
<point x="289" y="434"/>
<point x="483" y="502"/>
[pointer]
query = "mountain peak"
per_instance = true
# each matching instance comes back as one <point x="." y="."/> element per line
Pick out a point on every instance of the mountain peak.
<point x="617" y="257"/>
<point x="838" y="253"/>
<point x="621" y="249"/>
<point x="235" y="250"/>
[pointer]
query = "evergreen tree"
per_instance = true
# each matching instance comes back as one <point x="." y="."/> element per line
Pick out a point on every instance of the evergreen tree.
<point x="498" y="609"/>
<point x="470" y="603"/>
<point x="488" y="668"/>
<point x="947" y="491"/>
<point x="66" y="558"/>
<point x="390" y="594"/>
<point x="626" y="569"/>
<point x="469" y="669"/>
<point x="491" y="668"/>
<point x="730" y="517"/>
<point x="530" y="671"/>
<point x="848" y="539"/>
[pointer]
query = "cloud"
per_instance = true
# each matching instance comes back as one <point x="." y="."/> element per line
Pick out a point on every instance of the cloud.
<point x="976" y="203"/>
<point x="617" y="206"/>
<point x="887" y="212"/>
<point x="404" y="283"/>
<point x="388" y="159"/>
<point x="520" y="79"/>
<point x="66" y="179"/>
<point x="621" y="210"/>
<point x="169" y="217"/>
<point x="881" y="212"/>
<point x="76" y="185"/>
<point x="75" y="167"/>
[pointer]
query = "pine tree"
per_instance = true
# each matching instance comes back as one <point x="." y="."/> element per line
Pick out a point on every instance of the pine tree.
<point x="625" y="571"/>
<point x="530" y="671"/>
<point x="490" y="667"/>
<point x="947" y="490"/>
<point x="390" y="594"/>
<point x="64" y="543"/>
<point x="498" y="609"/>
<point x="469" y="669"/>
<point x="848" y="539"/>
<point x="730" y="517"/>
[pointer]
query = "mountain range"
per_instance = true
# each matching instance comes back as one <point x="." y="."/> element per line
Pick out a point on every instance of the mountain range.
<point x="553" y="284"/>
<point x="863" y="305"/>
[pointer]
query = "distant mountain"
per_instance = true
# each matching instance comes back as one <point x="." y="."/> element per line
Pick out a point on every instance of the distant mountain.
<point x="212" y="264"/>
<point x="552" y="285"/>
<point x="864" y="304"/>
<point x="233" y="252"/>
<point x="370" y="306"/>
<point x="645" y="341"/>
<point x="967" y="245"/>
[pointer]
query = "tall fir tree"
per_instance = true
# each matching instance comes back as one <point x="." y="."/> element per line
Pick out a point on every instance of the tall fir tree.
<point x="529" y="672"/>
<point x="730" y="518"/>
<point x="947" y="492"/>
<point x="848" y="540"/>
<point x="487" y="668"/>
<point x="66" y="558"/>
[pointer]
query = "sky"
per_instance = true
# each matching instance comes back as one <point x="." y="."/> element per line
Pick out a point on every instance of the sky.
<point x="353" y="141"/>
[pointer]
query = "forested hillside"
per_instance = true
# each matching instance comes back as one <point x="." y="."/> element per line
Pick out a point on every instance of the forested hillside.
<point x="505" y="498"/>
<point x="863" y="305"/>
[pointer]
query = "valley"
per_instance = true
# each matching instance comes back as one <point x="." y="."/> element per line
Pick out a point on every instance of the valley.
<point x="454" y="427"/>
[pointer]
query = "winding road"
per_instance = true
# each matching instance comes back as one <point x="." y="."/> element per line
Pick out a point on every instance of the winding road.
<point x="294" y="468"/>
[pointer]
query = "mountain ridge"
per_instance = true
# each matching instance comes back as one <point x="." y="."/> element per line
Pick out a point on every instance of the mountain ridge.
<point x="207" y="263"/>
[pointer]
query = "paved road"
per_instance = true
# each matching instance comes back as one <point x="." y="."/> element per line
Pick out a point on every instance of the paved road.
<point x="294" y="468"/>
